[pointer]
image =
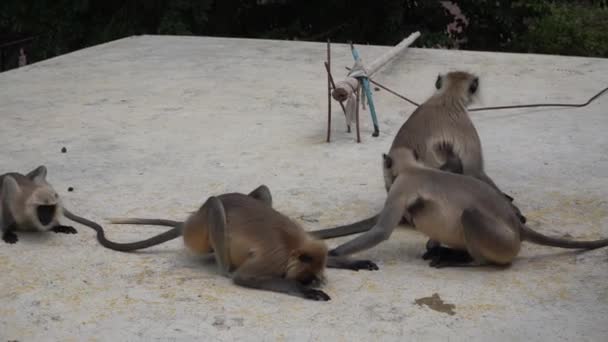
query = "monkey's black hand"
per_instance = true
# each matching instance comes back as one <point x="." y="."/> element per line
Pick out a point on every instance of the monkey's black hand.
<point x="369" y="265"/>
<point x="315" y="295"/>
<point x="64" y="229"/>
<point x="10" y="237"/>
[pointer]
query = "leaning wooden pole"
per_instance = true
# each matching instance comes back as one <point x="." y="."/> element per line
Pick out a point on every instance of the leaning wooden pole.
<point x="328" y="66"/>
<point x="345" y="88"/>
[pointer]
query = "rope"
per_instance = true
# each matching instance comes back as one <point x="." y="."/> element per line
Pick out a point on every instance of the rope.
<point x="535" y="105"/>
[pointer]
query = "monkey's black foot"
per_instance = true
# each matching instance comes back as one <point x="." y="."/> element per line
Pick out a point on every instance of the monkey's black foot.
<point x="10" y="237"/>
<point x="445" y="257"/>
<point x="64" y="229"/>
<point x="433" y="249"/>
<point x="357" y="265"/>
<point x="431" y="253"/>
<point x="315" y="295"/>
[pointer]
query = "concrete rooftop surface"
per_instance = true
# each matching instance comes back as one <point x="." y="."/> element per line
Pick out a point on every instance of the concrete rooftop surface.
<point x="154" y="125"/>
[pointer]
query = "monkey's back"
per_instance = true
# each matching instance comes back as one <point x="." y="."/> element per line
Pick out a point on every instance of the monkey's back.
<point x="458" y="192"/>
<point x="436" y="121"/>
<point x="257" y="227"/>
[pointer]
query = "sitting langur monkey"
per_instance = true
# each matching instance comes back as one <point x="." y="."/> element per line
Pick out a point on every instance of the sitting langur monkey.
<point x="29" y="203"/>
<point x="442" y="120"/>
<point x="459" y="211"/>
<point x="259" y="246"/>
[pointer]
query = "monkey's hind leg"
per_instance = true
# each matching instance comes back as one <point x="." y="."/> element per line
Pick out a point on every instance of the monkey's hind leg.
<point x="254" y="274"/>
<point x="489" y="240"/>
<point x="452" y="163"/>
<point x="262" y="193"/>
<point x="484" y="178"/>
<point x="216" y="221"/>
<point x="350" y="264"/>
<point x="64" y="229"/>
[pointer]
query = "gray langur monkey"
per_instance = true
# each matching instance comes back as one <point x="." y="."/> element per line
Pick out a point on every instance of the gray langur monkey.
<point x="461" y="212"/>
<point x="29" y="203"/>
<point x="257" y="246"/>
<point x="442" y="120"/>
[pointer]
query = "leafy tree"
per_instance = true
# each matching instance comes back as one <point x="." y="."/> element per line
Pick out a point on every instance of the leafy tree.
<point x="569" y="30"/>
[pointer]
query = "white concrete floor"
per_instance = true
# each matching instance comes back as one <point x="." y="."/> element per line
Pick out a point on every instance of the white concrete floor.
<point x="154" y="125"/>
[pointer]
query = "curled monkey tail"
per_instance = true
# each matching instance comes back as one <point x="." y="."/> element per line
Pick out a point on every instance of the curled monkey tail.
<point x="353" y="228"/>
<point x="535" y="237"/>
<point x="125" y="247"/>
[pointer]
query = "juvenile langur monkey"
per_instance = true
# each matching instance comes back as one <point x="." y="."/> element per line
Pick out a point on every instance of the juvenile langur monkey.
<point x="442" y="120"/>
<point x="260" y="247"/>
<point x="29" y="203"/>
<point x="459" y="211"/>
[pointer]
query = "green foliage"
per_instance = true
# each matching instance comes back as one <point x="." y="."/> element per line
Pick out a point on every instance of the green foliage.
<point x="494" y="25"/>
<point x="580" y="30"/>
<point x="544" y="26"/>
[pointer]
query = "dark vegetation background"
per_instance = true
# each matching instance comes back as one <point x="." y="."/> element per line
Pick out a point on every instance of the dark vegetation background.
<point x="539" y="26"/>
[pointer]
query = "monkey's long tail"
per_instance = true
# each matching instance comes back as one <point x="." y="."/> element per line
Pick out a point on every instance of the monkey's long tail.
<point x="147" y="222"/>
<point x="540" y="239"/>
<point x="353" y="228"/>
<point x="126" y="247"/>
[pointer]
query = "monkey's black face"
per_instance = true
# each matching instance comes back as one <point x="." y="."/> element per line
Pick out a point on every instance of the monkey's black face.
<point x="46" y="213"/>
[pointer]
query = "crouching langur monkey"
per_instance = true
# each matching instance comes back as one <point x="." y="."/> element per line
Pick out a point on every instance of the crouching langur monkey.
<point x="251" y="242"/>
<point x="461" y="212"/>
<point x="443" y="120"/>
<point x="29" y="203"/>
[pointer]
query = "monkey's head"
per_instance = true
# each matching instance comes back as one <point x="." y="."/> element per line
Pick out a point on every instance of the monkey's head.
<point x="307" y="263"/>
<point x="397" y="160"/>
<point x="40" y="210"/>
<point x="460" y="84"/>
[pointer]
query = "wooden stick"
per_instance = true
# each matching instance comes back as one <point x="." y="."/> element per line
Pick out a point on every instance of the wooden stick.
<point x="344" y="89"/>
<point x="357" y="115"/>
<point x="328" y="67"/>
<point x="331" y="79"/>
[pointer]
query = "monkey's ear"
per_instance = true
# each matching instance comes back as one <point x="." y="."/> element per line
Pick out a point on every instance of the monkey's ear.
<point x="38" y="175"/>
<point x="305" y="258"/>
<point x="438" y="82"/>
<point x="474" y="85"/>
<point x="388" y="161"/>
<point x="10" y="188"/>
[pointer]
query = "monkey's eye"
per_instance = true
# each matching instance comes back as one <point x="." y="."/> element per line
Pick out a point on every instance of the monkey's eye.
<point x="474" y="85"/>
<point x="438" y="82"/>
<point x="56" y="195"/>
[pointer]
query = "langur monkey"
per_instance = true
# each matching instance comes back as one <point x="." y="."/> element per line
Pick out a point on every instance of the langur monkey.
<point x="255" y="244"/>
<point x="29" y="203"/>
<point x="461" y="212"/>
<point x="442" y="120"/>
